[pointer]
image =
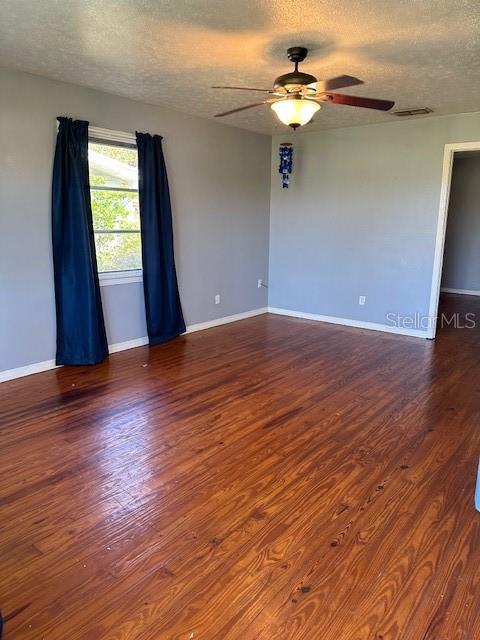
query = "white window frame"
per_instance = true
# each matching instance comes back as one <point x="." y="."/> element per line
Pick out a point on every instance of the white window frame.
<point x="108" y="278"/>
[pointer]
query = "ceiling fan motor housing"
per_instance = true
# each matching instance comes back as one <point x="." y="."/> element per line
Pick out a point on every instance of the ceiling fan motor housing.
<point x="295" y="78"/>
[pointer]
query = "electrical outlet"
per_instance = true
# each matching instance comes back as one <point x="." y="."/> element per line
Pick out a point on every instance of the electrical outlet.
<point x="217" y="299"/>
<point x="362" y="300"/>
<point x="260" y="283"/>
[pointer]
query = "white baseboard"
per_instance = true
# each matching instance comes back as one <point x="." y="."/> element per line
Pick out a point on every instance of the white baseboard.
<point x="38" y="367"/>
<point x="359" y="324"/>
<point x="462" y="292"/>
<point x="200" y="326"/>
<point x="128" y="344"/>
<point x="19" y="372"/>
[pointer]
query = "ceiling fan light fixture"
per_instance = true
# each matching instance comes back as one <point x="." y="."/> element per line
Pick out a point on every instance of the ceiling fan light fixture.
<point x="295" y="112"/>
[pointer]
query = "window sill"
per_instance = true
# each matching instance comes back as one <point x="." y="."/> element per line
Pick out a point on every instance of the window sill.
<point x="108" y="278"/>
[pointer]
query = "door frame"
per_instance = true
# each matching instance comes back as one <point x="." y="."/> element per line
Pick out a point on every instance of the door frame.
<point x="448" y="157"/>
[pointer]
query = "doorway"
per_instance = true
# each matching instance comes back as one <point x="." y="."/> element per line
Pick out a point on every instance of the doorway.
<point x="456" y="267"/>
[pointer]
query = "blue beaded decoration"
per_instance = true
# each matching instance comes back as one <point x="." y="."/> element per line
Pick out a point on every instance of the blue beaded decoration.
<point x="286" y="162"/>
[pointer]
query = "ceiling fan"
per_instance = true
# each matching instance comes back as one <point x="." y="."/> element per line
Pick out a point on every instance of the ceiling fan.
<point x="296" y="96"/>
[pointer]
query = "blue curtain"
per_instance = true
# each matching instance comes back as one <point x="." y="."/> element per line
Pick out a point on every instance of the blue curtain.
<point x="81" y="337"/>
<point x="162" y="300"/>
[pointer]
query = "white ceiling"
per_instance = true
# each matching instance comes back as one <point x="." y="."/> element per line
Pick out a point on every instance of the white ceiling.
<point x="416" y="52"/>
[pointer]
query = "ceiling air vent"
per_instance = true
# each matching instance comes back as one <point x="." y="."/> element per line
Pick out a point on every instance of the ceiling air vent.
<point x="421" y="111"/>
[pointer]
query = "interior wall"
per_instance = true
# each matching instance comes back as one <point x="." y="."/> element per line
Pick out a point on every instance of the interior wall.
<point x="360" y="218"/>
<point x="220" y="188"/>
<point x="461" y="260"/>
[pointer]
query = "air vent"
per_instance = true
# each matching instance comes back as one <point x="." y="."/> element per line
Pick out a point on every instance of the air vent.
<point x="421" y="111"/>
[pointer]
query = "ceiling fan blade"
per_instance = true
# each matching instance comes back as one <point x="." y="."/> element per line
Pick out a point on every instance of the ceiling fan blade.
<point x="340" y="82"/>
<point x="359" y="101"/>
<point x="248" y="106"/>
<point x="245" y="89"/>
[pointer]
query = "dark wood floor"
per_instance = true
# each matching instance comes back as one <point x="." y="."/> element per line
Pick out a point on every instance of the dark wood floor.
<point x="271" y="479"/>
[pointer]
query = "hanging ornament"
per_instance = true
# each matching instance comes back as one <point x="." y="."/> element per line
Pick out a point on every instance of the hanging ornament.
<point x="286" y="162"/>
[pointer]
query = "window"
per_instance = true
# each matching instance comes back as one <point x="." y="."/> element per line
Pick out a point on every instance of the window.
<point x="115" y="209"/>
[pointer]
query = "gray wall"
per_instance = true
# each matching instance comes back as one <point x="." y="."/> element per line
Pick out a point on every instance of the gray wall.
<point x="461" y="262"/>
<point x="360" y="217"/>
<point x="220" y="186"/>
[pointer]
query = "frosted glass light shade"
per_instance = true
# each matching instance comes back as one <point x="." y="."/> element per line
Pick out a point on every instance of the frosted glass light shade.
<point x="296" y="112"/>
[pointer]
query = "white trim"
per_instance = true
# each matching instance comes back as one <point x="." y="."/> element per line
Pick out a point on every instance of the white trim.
<point x="108" y="278"/>
<point x="462" y="292"/>
<point x="38" y="367"/>
<point x="200" y="326"/>
<point x="359" y="324"/>
<point x="128" y="344"/>
<point x="46" y="365"/>
<point x="450" y="150"/>
<point x="19" y="372"/>
<point x="112" y="135"/>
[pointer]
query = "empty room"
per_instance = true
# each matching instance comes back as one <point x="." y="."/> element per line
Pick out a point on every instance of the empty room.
<point x="239" y="320"/>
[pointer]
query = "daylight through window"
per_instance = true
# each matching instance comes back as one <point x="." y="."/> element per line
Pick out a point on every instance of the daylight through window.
<point x="115" y="208"/>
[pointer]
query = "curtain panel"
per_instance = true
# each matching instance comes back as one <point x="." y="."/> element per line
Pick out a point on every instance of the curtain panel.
<point x="162" y="301"/>
<point x="81" y="337"/>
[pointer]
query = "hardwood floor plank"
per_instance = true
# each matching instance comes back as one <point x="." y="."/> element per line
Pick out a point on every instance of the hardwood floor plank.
<point x="270" y="479"/>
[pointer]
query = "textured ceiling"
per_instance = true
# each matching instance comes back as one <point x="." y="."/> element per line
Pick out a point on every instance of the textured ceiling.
<point x="416" y="52"/>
